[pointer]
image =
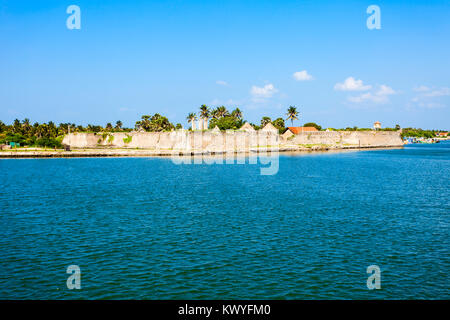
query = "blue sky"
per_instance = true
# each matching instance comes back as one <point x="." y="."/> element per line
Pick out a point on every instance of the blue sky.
<point x="141" y="57"/>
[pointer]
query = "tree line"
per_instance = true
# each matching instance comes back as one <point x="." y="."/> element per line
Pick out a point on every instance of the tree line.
<point x="234" y="120"/>
<point x="51" y="135"/>
<point x="47" y="134"/>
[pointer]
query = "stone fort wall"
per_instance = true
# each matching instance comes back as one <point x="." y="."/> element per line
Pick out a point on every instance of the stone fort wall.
<point x="184" y="140"/>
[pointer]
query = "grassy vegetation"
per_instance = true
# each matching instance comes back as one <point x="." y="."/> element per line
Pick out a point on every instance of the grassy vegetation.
<point x="128" y="139"/>
<point x="311" y="145"/>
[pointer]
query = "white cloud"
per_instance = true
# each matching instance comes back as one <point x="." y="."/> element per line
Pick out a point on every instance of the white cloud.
<point x="302" y="76"/>
<point x="351" y="84"/>
<point x="431" y="105"/>
<point x="361" y="98"/>
<point x="385" y="91"/>
<point x="431" y="98"/>
<point x="380" y="96"/>
<point x="261" y="93"/>
<point x="222" y="83"/>
<point x="439" y="93"/>
<point x="421" y="89"/>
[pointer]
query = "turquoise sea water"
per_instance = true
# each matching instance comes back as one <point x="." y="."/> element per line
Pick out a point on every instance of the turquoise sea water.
<point x="145" y="228"/>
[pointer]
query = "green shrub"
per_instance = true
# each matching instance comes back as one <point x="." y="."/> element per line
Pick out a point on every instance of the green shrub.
<point x="127" y="139"/>
<point x="226" y="123"/>
<point x="49" y="142"/>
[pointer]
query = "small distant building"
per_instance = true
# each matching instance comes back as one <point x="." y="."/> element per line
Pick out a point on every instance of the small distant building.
<point x="298" y="130"/>
<point x="287" y="134"/>
<point x="292" y="131"/>
<point x="269" y="128"/>
<point x="442" y="134"/>
<point x="215" y="130"/>
<point x="248" y="127"/>
<point x="377" y="125"/>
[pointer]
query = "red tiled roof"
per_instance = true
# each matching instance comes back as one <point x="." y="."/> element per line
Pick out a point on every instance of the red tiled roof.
<point x="297" y="130"/>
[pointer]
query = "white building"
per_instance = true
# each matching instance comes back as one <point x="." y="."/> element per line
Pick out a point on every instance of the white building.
<point x="377" y="125"/>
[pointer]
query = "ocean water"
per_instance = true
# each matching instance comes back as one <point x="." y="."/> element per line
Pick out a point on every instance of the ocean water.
<point x="146" y="228"/>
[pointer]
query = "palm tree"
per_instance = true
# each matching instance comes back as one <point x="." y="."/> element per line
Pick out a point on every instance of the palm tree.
<point x="17" y="127"/>
<point x="204" y="111"/>
<point x="222" y="112"/>
<point x="118" y="125"/>
<point x="237" y="113"/>
<point x="38" y="130"/>
<point x="34" y="128"/>
<point x="191" y="118"/>
<point x="52" y="130"/>
<point x="204" y="115"/>
<point x="26" y="125"/>
<point x="42" y="130"/>
<point x="215" y="113"/>
<point x="292" y="114"/>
